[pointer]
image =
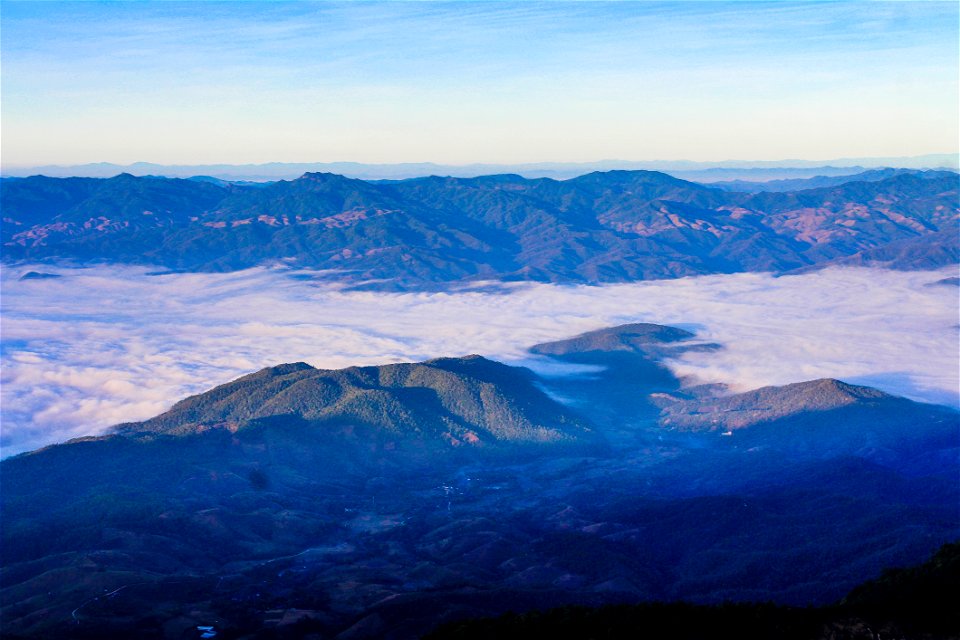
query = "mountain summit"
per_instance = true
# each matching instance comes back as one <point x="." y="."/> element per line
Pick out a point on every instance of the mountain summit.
<point x="769" y="404"/>
<point x="459" y="402"/>
<point x="637" y="337"/>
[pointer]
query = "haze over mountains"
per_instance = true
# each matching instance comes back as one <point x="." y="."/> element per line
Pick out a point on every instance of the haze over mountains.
<point x="690" y="170"/>
<point x="815" y="182"/>
<point x="600" y="227"/>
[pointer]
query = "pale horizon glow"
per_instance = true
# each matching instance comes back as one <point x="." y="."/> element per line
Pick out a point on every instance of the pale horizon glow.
<point x="105" y="345"/>
<point x="465" y="82"/>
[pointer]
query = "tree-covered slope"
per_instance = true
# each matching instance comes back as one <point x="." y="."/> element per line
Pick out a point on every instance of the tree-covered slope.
<point x="611" y="226"/>
<point x="379" y="502"/>
<point x="467" y="401"/>
<point x="914" y="603"/>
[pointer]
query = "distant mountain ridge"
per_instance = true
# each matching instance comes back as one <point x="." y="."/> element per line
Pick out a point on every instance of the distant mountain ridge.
<point x="796" y="184"/>
<point x="691" y="170"/>
<point x="601" y="227"/>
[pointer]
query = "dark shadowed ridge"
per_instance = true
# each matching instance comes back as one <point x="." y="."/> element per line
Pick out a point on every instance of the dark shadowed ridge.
<point x="914" y="602"/>
<point x="628" y="337"/>
<point x="620" y="394"/>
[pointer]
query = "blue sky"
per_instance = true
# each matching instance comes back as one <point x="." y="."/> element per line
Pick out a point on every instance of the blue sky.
<point x="463" y="82"/>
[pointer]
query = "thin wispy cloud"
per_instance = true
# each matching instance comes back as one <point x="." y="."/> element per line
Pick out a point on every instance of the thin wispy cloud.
<point x="465" y="82"/>
<point x="104" y="345"/>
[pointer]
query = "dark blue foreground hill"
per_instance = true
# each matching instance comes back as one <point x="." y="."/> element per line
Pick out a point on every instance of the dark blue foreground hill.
<point x="915" y="602"/>
<point x="379" y="502"/>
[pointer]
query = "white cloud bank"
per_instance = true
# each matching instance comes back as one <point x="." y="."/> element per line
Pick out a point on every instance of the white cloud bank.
<point x="105" y="345"/>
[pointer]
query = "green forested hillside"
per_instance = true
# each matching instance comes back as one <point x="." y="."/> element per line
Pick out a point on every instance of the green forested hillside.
<point x="601" y="227"/>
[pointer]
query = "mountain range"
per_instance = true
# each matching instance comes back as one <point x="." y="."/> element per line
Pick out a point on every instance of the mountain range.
<point x="816" y="182"/>
<point x="382" y="501"/>
<point x="690" y="170"/>
<point x="600" y="227"/>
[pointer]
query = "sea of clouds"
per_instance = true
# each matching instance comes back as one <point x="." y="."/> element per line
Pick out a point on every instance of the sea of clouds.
<point x="99" y="346"/>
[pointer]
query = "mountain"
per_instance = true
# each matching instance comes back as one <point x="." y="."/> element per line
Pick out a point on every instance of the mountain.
<point x="471" y="402"/>
<point x="379" y="502"/>
<point x="251" y="471"/>
<point x="636" y="399"/>
<point x="769" y="404"/>
<point x="601" y="227"/>
<point x="798" y="184"/>
<point x="631" y="388"/>
<point x="642" y="338"/>
<point x="123" y="198"/>
<point x="928" y="251"/>
<point x="819" y="417"/>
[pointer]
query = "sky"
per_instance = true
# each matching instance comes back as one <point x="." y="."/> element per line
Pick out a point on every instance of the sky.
<point x="105" y="345"/>
<point x="464" y="82"/>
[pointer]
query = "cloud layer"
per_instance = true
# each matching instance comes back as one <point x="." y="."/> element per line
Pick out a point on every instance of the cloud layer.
<point x="105" y="345"/>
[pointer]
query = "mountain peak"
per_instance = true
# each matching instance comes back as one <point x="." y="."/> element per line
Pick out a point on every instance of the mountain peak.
<point x="829" y="392"/>
<point x="283" y="369"/>
<point x="635" y="337"/>
<point x="471" y="359"/>
<point x="442" y="402"/>
<point x="280" y="370"/>
<point x="325" y="180"/>
<point x="800" y="400"/>
<point x="639" y="176"/>
<point x="324" y="176"/>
